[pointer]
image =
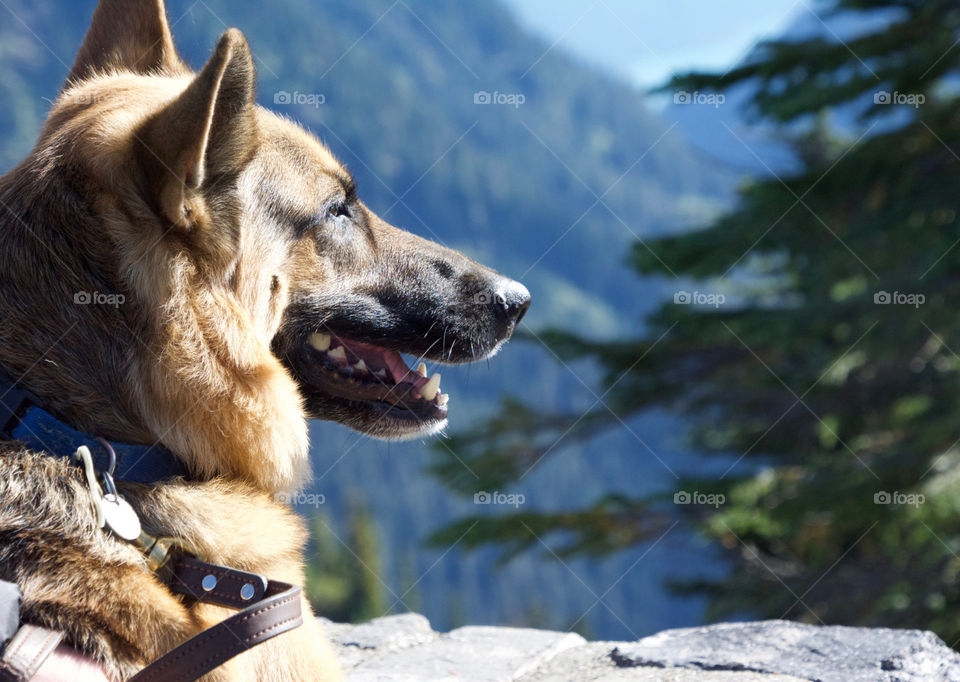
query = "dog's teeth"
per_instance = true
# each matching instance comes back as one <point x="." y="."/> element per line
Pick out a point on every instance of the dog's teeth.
<point x="320" y="341"/>
<point x="443" y="399"/>
<point x="422" y="369"/>
<point x="381" y="373"/>
<point x="429" y="389"/>
<point x="338" y="353"/>
<point x="361" y="366"/>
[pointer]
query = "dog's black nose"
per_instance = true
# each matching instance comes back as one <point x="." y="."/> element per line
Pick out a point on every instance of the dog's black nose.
<point x="511" y="301"/>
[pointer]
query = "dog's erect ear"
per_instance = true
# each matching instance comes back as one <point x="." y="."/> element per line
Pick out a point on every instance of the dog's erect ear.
<point x="208" y="131"/>
<point x="127" y="34"/>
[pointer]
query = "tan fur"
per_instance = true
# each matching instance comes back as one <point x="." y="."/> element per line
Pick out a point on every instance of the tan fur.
<point x="77" y="578"/>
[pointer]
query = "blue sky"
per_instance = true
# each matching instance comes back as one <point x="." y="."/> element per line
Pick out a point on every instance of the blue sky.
<point x="645" y="40"/>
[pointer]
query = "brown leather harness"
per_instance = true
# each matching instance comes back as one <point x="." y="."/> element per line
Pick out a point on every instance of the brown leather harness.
<point x="266" y="608"/>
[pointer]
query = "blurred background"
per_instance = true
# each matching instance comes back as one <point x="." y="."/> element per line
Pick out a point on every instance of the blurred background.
<point x="735" y="395"/>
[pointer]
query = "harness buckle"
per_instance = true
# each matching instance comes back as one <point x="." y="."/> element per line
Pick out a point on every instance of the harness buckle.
<point x="114" y="512"/>
<point x="159" y="550"/>
<point x="12" y="402"/>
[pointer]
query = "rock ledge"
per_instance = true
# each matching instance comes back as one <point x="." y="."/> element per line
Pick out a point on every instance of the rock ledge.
<point x="405" y="648"/>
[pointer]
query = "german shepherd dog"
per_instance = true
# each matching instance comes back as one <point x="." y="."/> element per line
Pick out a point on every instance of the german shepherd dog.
<point x="251" y="290"/>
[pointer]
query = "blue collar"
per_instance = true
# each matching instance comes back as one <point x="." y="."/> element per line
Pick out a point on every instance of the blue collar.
<point x="23" y="419"/>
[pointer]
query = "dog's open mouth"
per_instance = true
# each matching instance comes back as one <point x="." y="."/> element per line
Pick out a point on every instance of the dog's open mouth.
<point x="363" y="372"/>
<point x="346" y="357"/>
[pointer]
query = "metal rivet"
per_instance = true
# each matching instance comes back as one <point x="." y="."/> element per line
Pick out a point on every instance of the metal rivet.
<point x="209" y="582"/>
<point x="246" y="592"/>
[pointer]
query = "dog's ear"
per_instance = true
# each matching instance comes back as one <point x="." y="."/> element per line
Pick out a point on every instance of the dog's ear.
<point x="127" y="34"/>
<point x="206" y="132"/>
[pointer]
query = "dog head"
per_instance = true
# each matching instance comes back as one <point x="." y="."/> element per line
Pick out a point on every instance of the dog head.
<point x="261" y="284"/>
<point x="360" y="294"/>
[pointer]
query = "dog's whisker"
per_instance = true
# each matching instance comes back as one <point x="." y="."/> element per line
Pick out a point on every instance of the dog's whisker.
<point x="423" y="356"/>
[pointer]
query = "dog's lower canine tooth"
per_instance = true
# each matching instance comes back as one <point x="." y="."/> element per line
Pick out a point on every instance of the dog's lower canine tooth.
<point x="361" y="366"/>
<point x="443" y="399"/>
<point x="429" y="389"/>
<point x="422" y="369"/>
<point x="320" y="341"/>
<point x="338" y="353"/>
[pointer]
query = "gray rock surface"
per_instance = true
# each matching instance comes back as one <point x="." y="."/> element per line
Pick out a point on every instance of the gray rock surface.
<point x="379" y="637"/>
<point x="827" y="654"/>
<point x="406" y="649"/>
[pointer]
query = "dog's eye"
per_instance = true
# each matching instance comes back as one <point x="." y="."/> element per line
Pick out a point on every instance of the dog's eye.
<point x="333" y="211"/>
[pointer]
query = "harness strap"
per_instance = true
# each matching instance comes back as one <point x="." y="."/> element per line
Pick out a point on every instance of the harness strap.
<point x="217" y="584"/>
<point x="14" y="402"/>
<point x="272" y="608"/>
<point x="24" y="418"/>
<point x="269" y="608"/>
<point x="27" y="651"/>
<point x="278" y="612"/>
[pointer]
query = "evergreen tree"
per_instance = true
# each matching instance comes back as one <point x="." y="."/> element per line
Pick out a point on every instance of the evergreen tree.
<point x="831" y="371"/>
<point x="342" y="575"/>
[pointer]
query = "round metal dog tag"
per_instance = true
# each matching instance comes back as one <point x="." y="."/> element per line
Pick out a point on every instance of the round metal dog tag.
<point x="120" y="517"/>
